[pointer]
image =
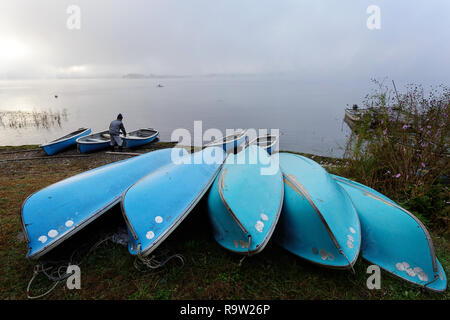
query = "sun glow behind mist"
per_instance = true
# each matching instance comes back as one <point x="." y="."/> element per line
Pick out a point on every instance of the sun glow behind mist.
<point x="12" y="49"/>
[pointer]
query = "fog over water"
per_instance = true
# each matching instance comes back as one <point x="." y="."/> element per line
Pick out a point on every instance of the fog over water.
<point x="308" y="116"/>
<point x="288" y="64"/>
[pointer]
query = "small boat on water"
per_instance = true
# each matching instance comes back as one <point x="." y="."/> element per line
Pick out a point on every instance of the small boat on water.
<point x="244" y="203"/>
<point x="266" y="142"/>
<point x="64" y="142"/>
<point x="155" y="205"/>
<point x="94" y="142"/>
<point x="139" y="137"/>
<point x="229" y="142"/>
<point x="319" y="222"/>
<point x="55" y="213"/>
<point x="354" y="115"/>
<point x="394" y="238"/>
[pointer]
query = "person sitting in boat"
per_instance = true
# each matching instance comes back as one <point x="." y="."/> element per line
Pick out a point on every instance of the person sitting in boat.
<point x="114" y="131"/>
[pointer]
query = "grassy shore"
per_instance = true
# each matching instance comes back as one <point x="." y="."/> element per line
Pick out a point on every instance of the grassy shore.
<point x="209" y="272"/>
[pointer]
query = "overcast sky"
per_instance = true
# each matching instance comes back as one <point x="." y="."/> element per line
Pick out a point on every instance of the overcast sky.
<point x="194" y="37"/>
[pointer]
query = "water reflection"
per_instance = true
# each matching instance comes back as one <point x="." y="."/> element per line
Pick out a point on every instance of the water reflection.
<point x="308" y="115"/>
<point x="32" y="119"/>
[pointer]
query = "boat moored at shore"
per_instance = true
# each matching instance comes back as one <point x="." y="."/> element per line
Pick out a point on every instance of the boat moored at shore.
<point x="230" y="142"/>
<point x="139" y="137"/>
<point x="93" y="142"/>
<point x="64" y="142"/>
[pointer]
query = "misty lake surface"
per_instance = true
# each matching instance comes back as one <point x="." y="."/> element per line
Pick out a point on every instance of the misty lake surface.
<point x="309" y="115"/>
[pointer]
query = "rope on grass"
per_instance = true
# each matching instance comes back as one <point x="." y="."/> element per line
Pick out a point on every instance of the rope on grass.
<point x="93" y="248"/>
<point x="39" y="268"/>
<point x="57" y="271"/>
<point x="155" y="262"/>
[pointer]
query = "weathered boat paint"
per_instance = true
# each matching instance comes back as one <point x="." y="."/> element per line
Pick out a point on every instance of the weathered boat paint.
<point x="319" y="222"/>
<point x="394" y="239"/>
<point x="58" y="211"/>
<point x="158" y="203"/>
<point x="244" y="204"/>
<point x="64" y="142"/>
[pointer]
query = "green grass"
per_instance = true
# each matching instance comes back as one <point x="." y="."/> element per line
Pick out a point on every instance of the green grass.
<point x="23" y="147"/>
<point x="209" y="272"/>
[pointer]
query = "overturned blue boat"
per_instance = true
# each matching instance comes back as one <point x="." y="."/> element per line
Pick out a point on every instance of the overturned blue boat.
<point x="139" y="137"/>
<point x="394" y="238"/>
<point x="64" y="142"/>
<point x="94" y="142"/>
<point x="158" y="203"/>
<point x="58" y="211"/>
<point x="319" y="222"/>
<point x="245" y="201"/>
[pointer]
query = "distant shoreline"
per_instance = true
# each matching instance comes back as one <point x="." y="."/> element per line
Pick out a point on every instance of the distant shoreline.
<point x="137" y="76"/>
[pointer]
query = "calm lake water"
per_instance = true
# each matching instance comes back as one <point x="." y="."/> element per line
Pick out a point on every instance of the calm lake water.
<point x="309" y="115"/>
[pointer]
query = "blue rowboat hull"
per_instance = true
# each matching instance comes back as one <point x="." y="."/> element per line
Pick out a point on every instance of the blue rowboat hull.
<point x="93" y="142"/>
<point x="133" y="143"/>
<point x="229" y="144"/>
<point x="157" y="204"/>
<point x="234" y="144"/>
<point x="267" y="142"/>
<point x="244" y="203"/>
<point x="394" y="239"/>
<point x="318" y="221"/>
<point x="91" y="147"/>
<point x="61" y="144"/>
<point x="56" y="212"/>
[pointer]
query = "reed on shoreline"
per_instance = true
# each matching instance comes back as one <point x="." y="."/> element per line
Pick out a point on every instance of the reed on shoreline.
<point x="400" y="147"/>
<point x="32" y="119"/>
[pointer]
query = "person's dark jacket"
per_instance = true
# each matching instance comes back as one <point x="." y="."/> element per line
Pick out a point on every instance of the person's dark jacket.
<point x="115" y="127"/>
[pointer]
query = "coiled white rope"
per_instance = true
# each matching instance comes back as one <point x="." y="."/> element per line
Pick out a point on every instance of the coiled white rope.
<point x="58" y="273"/>
<point x="39" y="268"/>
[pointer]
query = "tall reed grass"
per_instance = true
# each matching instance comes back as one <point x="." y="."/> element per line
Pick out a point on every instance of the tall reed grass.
<point x="36" y="119"/>
<point x="400" y="147"/>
